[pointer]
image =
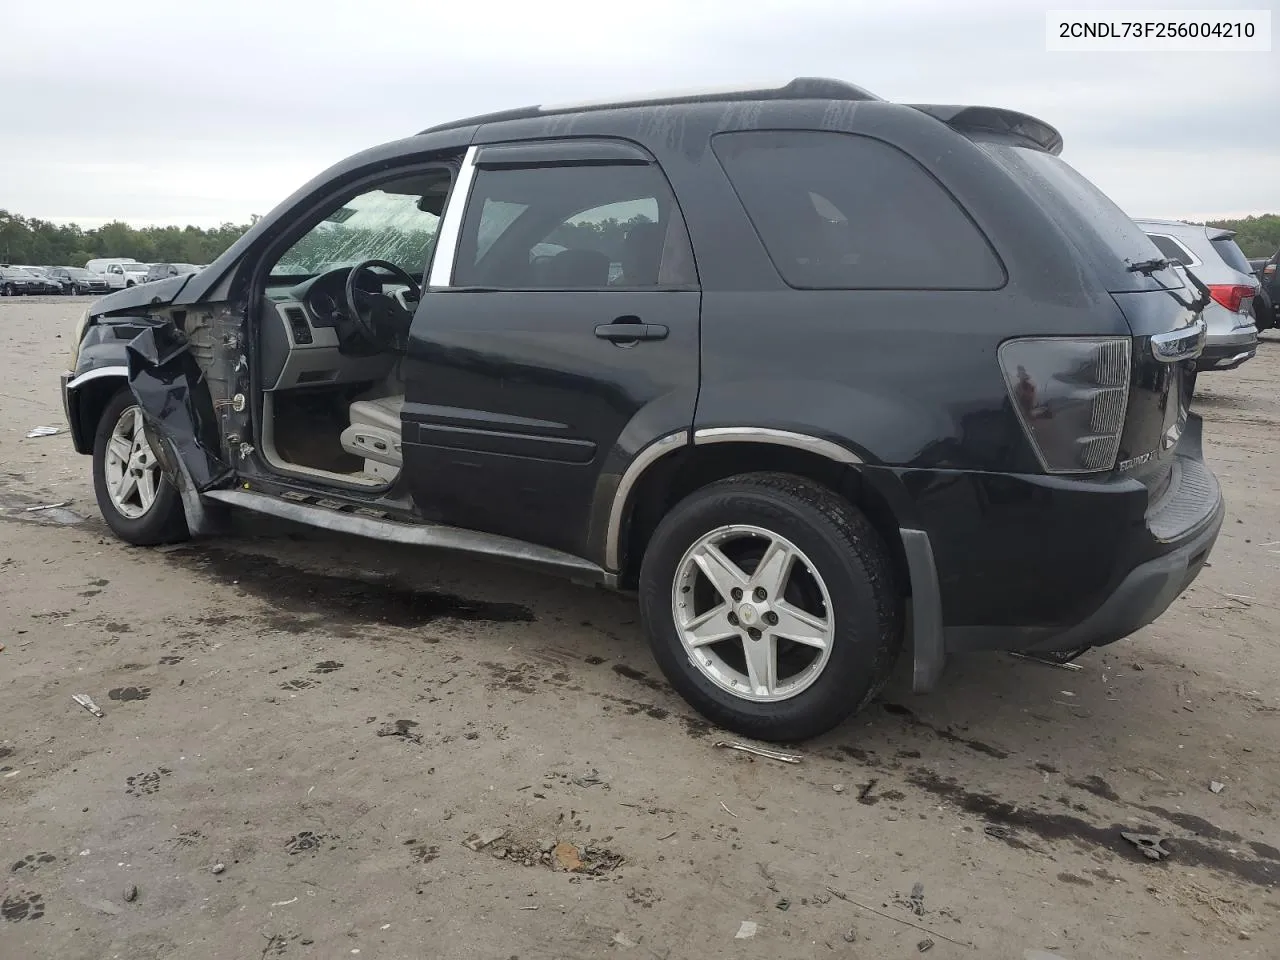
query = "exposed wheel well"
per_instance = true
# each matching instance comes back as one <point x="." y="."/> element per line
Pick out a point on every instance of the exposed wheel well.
<point x="91" y="399"/>
<point x="679" y="474"/>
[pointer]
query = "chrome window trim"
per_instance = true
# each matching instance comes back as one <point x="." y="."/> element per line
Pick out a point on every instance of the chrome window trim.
<point x="639" y="463"/>
<point x="782" y="438"/>
<point x="451" y="224"/>
<point x="96" y="374"/>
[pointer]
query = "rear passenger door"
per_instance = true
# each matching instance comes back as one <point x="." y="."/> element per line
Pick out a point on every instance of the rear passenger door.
<point x="560" y="323"/>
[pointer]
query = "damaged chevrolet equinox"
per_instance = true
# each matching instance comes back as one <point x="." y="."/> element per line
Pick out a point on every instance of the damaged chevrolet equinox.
<point x="827" y="380"/>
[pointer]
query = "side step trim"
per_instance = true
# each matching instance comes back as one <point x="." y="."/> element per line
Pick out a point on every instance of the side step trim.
<point x="418" y="534"/>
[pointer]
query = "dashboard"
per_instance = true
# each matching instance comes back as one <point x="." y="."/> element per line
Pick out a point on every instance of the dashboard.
<point x="300" y="346"/>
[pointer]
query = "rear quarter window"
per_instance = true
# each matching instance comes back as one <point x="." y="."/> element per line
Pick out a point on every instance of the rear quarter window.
<point x="840" y="211"/>
<point x="1174" y="250"/>
<point x="1232" y="255"/>
<point x="1087" y="215"/>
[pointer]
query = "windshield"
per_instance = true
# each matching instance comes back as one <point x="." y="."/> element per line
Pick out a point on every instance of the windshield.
<point x="376" y="225"/>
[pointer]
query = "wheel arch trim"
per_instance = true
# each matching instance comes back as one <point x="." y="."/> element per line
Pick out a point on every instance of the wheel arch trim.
<point x="97" y="373"/>
<point x="674" y="441"/>
<point x="781" y="438"/>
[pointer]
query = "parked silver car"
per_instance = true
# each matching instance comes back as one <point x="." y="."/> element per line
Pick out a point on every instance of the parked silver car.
<point x="1212" y="255"/>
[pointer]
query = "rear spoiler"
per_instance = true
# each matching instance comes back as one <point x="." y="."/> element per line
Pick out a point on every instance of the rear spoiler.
<point x="1219" y="233"/>
<point x="995" y="120"/>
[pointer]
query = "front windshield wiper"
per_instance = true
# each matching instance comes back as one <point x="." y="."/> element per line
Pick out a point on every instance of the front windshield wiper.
<point x="1149" y="267"/>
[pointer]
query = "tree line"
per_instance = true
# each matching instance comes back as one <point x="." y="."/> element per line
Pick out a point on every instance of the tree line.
<point x="35" y="241"/>
<point x="31" y="240"/>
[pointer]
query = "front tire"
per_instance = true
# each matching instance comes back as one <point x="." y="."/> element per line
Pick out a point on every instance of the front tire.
<point x="771" y="605"/>
<point x="6" y="290"/>
<point x="139" y="505"/>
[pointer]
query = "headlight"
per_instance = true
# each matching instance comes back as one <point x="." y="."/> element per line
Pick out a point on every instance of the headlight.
<point x="76" y="337"/>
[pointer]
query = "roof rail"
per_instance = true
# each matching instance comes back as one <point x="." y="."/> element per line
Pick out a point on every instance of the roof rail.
<point x="801" y="88"/>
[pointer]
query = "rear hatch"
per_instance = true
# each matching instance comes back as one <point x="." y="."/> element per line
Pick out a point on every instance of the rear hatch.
<point x="1156" y="298"/>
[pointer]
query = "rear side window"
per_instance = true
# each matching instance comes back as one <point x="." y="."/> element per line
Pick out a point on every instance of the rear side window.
<point x="1173" y="250"/>
<point x="839" y="211"/>
<point x="1232" y="255"/>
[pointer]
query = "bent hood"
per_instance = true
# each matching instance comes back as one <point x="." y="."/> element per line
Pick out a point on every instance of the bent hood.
<point x="158" y="293"/>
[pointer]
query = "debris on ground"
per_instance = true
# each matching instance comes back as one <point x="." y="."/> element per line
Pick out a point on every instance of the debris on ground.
<point x="766" y="752"/>
<point x="41" y="432"/>
<point x="838" y="787"/>
<point x="131" y="894"/>
<point x="478" y="841"/>
<point x="924" y="945"/>
<point x="591" y="778"/>
<point x="47" y="506"/>
<point x="727" y="810"/>
<point x="1049" y="662"/>
<point x="567" y="857"/>
<point x="850" y="935"/>
<point x="546" y="846"/>
<point x="86" y="701"/>
<point x="218" y="868"/>
<point x="402" y="729"/>
<point x="783" y="904"/>
<point x="622" y="940"/>
<point x="1151" y="845"/>
<point x="1217" y="786"/>
<point x="915" y="902"/>
<point x="746" y="930"/>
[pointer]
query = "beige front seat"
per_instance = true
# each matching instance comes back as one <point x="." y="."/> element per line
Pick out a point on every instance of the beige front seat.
<point x="374" y="435"/>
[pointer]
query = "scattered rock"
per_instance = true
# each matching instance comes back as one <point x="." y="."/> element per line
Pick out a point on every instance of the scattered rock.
<point x="1217" y="786"/>
<point x="219" y="867"/>
<point x="478" y="841"/>
<point x="838" y="787"/>
<point x="850" y="935"/>
<point x="131" y="894"/>
<point x="622" y="940"/>
<point x="402" y="729"/>
<point x="546" y="846"/>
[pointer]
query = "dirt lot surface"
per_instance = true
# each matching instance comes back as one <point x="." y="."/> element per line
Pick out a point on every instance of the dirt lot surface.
<point x="332" y="720"/>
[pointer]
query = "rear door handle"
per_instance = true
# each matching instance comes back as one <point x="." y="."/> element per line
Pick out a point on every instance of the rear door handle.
<point x="631" y="332"/>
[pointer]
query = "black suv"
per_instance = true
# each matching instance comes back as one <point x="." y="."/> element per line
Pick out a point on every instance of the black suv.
<point x="823" y="377"/>
<point x="78" y="281"/>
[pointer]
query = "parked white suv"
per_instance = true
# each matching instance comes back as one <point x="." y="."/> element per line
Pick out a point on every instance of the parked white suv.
<point x="1212" y="255"/>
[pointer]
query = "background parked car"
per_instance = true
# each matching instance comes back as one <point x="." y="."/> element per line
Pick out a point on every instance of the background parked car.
<point x="77" y="280"/>
<point x="15" y="281"/>
<point x="1212" y="255"/>
<point x="1267" y="303"/>
<point x="162" y="271"/>
<point x="100" y="264"/>
<point x="47" y="283"/>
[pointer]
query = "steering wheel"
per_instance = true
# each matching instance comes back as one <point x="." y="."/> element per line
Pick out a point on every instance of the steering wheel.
<point x="380" y="318"/>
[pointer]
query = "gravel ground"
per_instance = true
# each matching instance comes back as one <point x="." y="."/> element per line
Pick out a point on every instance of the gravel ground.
<point x="302" y="733"/>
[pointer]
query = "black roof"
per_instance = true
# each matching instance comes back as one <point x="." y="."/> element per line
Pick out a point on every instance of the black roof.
<point x="801" y="88"/>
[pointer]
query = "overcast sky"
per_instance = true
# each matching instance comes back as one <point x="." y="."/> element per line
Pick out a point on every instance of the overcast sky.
<point x="194" y="111"/>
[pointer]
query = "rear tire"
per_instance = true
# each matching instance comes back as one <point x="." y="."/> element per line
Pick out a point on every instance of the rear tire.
<point x="145" y="509"/>
<point x="835" y="590"/>
<point x="6" y="290"/>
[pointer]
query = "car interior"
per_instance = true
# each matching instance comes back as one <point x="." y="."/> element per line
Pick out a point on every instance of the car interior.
<point x="334" y="325"/>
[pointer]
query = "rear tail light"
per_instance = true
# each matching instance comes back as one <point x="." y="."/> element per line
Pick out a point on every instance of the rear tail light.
<point x="1070" y="394"/>
<point x="1233" y="296"/>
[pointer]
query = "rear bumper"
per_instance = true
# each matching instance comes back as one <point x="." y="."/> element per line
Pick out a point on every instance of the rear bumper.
<point x="1039" y="563"/>
<point x="1227" y="351"/>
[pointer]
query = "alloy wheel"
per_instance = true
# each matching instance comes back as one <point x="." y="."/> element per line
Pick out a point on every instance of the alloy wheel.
<point x="753" y="613"/>
<point x="132" y="471"/>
